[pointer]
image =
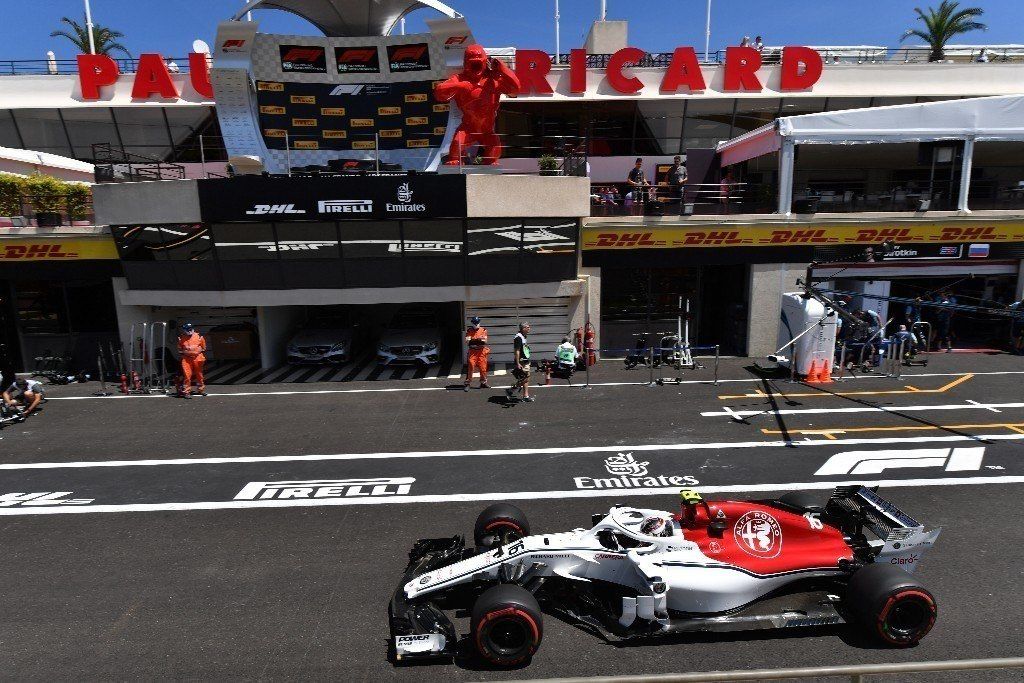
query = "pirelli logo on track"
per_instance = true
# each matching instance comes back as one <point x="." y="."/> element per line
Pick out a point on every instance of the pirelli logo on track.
<point x="361" y="123"/>
<point x="391" y="133"/>
<point x="274" y="132"/>
<point x="363" y="144"/>
<point x="306" y="144"/>
<point x="326" y="488"/>
<point x="416" y="97"/>
<point x="271" y="109"/>
<point x="417" y="143"/>
<point x="302" y="99"/>
<point x="416" y="120"/>
<point x="334" y="134"/>
<point x="270" y="86"/>
<point x="438" y="108"/>
<point x="332" y="111"/>
<point x="298" y="123"/>
<point x="388" y="111"/>
<point x="440" y="130"/>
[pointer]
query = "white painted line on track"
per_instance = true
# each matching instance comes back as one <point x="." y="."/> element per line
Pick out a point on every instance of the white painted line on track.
<point x="516" y="451"/>
<point x="994" y="410"/>
<point x="501" y="495"/>
<point x="971" y="405"/>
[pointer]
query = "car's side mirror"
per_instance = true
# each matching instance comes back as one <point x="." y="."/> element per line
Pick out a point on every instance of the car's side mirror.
<point x="717" y="528"/>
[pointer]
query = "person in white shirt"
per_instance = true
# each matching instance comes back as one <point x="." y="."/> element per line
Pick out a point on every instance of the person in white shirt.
<point x="23" y="394"/>
<point x="758" y="44"/>
<point x="983" y="56"/>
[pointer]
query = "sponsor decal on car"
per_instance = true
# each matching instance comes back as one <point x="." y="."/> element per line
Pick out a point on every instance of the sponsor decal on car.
<point x="758" y="534"/>
<point x="326" y="488"/>
<point x="628" y="473"/>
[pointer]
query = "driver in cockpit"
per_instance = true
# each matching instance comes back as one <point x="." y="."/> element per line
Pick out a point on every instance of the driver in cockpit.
<point x="656" y="526"/>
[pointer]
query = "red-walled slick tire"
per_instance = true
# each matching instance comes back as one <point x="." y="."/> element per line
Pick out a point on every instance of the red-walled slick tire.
<point x="890" y="605"/>
<point x="506" y="625"/>
<point x="499" y="525"/>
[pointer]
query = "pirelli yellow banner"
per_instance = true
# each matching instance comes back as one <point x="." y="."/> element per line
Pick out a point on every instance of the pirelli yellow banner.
<point x="652" y="237"/>
<point x="43" y="249"/>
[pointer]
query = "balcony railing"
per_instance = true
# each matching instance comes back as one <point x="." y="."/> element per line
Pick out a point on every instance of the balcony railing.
<point x="29" y="67"/>
<point x="46" y="211"/>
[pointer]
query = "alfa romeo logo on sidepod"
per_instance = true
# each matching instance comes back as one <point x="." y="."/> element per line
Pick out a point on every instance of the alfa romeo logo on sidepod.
<point x="759" y="534"/>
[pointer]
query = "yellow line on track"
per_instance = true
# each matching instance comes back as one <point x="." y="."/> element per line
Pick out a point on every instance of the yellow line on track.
<point x="889" y="392"/>
<point x="830" y="433"/>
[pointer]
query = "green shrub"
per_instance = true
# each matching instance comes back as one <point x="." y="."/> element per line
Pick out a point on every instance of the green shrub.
<point x="10" y="194"/>
<point x="41" y="193"/>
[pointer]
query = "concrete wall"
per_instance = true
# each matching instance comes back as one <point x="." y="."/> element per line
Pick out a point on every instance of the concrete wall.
<point x="768" y="281"/>
<point x="158" y="201"/>
<point x="319" y="297"/>
<point x="504" y="196"/>
<point x="605" y="37"/>
<point x="275" y="325"/>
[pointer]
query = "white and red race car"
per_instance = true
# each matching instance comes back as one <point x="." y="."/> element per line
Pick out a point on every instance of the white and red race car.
<point x="713" y="566"/>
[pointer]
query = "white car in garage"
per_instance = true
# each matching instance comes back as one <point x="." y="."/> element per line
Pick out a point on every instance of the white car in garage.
<point x="413" y="336"/>
<point x="324" y="340"/>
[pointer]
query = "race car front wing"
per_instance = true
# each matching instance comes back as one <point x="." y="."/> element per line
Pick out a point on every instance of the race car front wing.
<point x="420" y="629"/>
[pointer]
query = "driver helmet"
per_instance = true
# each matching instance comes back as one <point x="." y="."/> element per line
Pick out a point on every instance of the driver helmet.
<point x="656" y="526"/>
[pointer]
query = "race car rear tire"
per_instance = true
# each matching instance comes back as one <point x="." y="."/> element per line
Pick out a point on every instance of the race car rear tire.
<point x="891" y="605"/>
<point x="506" y="625"/>
<point x="500" y="524"/>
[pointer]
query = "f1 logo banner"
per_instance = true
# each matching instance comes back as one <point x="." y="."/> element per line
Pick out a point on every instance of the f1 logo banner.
<point x="357" y="59"/>
<point x="875" y="462"/>
<point x="303" y="59"/>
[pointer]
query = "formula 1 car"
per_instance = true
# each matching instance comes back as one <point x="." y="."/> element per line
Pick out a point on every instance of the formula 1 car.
<point x="713" y="566"/>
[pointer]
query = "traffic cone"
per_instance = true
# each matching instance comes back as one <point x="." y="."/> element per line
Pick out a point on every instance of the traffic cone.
<point x="825" y="374"/>
<point x="812" y="372"/>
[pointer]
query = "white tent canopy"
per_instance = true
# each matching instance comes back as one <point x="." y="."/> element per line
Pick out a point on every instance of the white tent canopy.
<point x="980" y="119"/>
<point x="349" y="17"/>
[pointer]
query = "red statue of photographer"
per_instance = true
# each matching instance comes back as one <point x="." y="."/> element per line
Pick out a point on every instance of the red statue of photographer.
<point x="477" y="90"/>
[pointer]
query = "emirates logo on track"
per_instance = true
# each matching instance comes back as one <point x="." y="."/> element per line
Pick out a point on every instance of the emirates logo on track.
<point x="759" y="534"/>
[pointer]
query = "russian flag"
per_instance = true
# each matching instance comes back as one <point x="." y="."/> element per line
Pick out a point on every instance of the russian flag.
<point x="977" y="251"/>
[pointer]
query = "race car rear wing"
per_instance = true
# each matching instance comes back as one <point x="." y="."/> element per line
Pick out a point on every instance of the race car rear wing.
<point x="903" y="539"/>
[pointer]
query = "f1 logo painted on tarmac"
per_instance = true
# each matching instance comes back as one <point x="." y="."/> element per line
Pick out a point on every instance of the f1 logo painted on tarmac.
<point x="8" y="500"/>
<point x="325" y="488"/>
<point x="874" y="462"/>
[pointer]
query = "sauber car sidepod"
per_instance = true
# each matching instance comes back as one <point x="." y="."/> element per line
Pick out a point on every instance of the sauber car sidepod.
<point x="713" y="566"/>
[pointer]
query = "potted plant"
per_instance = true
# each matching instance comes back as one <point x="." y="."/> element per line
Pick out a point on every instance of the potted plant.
<point x="10" y="195"/>
<point x="47" y="195"/>
<point x="548" y="164"/>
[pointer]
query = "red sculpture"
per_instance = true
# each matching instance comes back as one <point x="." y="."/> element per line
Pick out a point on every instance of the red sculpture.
<point x="477" y="90"/>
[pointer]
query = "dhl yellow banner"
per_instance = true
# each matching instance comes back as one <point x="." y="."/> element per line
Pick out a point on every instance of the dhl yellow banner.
<point x="653" y="237"/>
<point x="42" y="249"/>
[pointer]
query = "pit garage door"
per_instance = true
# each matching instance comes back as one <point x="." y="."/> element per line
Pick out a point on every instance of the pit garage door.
<point x="548" y="318"/>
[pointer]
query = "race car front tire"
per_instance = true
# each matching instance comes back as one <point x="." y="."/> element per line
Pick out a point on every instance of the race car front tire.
<point x="506" y="625"/>
<point x="890" y="605"/>
<point x="500" y="524"/>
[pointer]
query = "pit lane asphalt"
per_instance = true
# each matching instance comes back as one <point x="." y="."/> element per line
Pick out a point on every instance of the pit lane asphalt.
<point x="302" y="592"/>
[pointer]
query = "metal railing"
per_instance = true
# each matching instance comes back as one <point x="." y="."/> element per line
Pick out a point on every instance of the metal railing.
<point x="855" y="673"/>
<point x="113" y="164"/>
<point x="29" y="67"/>
<point x="698" y="199"/>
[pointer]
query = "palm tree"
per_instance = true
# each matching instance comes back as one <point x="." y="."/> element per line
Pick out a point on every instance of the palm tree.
<point x="104" y="38"/>
<point x="944" y="23"/>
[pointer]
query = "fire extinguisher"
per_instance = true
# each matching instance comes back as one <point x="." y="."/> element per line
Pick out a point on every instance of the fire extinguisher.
<point x="124" y="383"/>
<point x="578" y="341"/>
<point x="590" y="341"/>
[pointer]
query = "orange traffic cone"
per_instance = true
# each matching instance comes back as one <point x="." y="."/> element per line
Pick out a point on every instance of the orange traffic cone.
<point x="825" y="374"/>
<point x="812" y="372"/>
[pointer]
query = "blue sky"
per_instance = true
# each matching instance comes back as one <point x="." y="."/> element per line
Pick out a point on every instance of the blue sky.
<point x="170" y="26"/>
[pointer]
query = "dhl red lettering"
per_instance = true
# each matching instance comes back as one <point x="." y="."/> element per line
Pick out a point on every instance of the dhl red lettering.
<point x="715" y="237"/>
<point x="780" y="236"/>
<point x="694" y="238"/>
<point x="606" y="239"/>
<point x="809" y="236"/>
<point x="632" y="239"/>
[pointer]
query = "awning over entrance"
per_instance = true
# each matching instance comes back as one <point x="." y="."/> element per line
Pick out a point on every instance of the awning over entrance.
<point x="982" y="118"/>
